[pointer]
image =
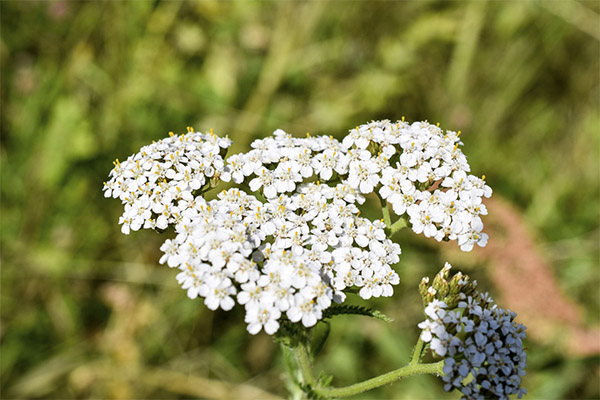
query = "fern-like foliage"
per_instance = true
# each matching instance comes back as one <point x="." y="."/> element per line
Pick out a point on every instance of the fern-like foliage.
<point x="354" y="310"/>
<point x="289" y="334"/>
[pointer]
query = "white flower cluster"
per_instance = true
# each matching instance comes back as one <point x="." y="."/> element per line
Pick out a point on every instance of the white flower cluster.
<point x="157" y="184"/>
<point x="297" y="243"/>
<point x="293" y="254"/>
<point x="417" y="168"/>
<point x="483" y="344"/>
<point x="427" y="179"/>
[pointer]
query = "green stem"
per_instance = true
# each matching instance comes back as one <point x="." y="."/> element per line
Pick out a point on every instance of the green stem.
<point x="401" y="223"/>
<point x="416" y="357"/>
<point x="301" y="352"/>
<point x="289" y="364"/>
<point x="258" y="194"/>
<point x="385" y="211"/>
<point x="413" y="368"/>
<point x="408" y="370"/>
<point x="292" y="384"/>
<point x="386" y="215"/>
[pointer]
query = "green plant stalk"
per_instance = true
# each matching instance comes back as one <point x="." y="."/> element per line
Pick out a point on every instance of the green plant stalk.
<point x="289" y="364"/>
<point x="292" y="384"/>
<point x="396" y="226"/>
<point x="416" y="356"/>
<point x="413" y="368"/>
<point x="400" y="224"/>
<point x="381" y="380"/>
<point x="386" y="215"/>
<point x="302" y="357"/>
<point x="385" y="211"/>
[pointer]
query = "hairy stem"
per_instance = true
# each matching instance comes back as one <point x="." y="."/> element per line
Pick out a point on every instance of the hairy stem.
<point x="292" y="383"/>
<point x="408" y="370"/>
<point x="303" y="359"/>
<point x="416" y="357"/>
<point x="413" y="368"/>
<point x="385" y="211"/>
<point x="401" y="223"/>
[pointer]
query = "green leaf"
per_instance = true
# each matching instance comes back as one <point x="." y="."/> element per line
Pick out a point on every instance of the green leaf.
<point x="354" y="310"/>
<point x="289" y="333"/>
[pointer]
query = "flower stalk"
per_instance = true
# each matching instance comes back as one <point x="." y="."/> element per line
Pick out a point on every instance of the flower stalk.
<point x="382" y="380"/>
<point x="300" y="350"/>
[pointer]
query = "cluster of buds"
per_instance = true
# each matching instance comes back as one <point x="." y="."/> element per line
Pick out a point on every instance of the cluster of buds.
<point x="446" y="289"/>
<point x="482" y="344"/>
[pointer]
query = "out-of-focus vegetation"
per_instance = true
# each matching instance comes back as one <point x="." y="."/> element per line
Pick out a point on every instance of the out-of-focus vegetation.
<point x="88" y="312"/>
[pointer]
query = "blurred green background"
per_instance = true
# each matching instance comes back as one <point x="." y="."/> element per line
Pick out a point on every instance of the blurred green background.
<point x="87" y="312"/>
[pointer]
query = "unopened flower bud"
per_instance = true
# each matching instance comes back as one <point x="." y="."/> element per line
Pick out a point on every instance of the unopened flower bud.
<point x="430" y="295"/>
<point x="443" y="289"/>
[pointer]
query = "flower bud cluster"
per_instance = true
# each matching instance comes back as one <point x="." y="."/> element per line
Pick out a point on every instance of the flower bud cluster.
<point x="157" y="184"/>
<point x="449" y="290"/>
<point x="482" y="343"/>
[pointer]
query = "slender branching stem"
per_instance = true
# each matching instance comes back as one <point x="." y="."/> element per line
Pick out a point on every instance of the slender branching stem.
<point x="386" y="215"/>
<point x="416" y="357"/>
<point x="413" y="368"/>
<point x="385" y="211"/>
<point x="381" y="380"/>
<point x="398" y="225"/>
<point x="303" y="359"/>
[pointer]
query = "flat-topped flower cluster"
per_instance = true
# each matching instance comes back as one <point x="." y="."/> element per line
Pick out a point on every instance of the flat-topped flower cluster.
<point x="482" y="344"/>
<point x="289" y="241"/>
<point x="157" y="185"/>
<point x="292" y="254"/>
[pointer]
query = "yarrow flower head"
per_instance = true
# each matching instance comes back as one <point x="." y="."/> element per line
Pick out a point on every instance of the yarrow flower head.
<point x="482" y="344"/>
<point x="289" y="241"/>
<point x="158" y="185"/>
